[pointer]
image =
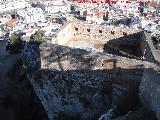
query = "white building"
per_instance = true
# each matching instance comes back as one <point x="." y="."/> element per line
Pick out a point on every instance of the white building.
<point x="10" y="6"/>
<point x="55" y="6"/>
<point x="95" y="17"/>
<point x="31" y="15"/>
<point x="128" y="7"/>
<point x="52" y="28"/>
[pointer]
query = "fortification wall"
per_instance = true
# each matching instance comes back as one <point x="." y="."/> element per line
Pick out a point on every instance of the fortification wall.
<point x="84" y="36"/>
<point x="150" y="83"/>
<point x="79" y="82"/>
<point x="79" y="35"/>
<point x="63" y="35"/>
<point x="93" y="32"/>
<point x="97" y="32"/>
<point x="3" y="45"/>
<point x="148" y="50"/>
<point x="150" y="91"/>
<point x="88" y="84"/>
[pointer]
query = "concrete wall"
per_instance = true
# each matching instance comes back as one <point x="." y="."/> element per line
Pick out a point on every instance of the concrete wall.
<point x="150" y="91"/>
<point x="3" y="45"/>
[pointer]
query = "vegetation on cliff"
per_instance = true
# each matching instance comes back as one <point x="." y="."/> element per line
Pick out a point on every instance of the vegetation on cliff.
<point x="15" y="43"/>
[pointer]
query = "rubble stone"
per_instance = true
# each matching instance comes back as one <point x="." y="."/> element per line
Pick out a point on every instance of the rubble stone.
<point x="80" y="84"/>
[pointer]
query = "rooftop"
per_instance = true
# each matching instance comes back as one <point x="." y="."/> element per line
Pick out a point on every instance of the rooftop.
<point x="12" y="23"/>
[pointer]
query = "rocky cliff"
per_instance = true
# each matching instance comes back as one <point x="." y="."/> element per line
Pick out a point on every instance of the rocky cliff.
<point x="18" y="100"/>
<point x="75" y="84"/>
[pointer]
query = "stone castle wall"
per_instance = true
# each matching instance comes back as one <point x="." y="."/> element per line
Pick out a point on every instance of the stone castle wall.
<point x="97" y="36"/>
<point x="3" y="44"/>
<point x="150" y="91"/>
<point x="79" y="35"/>
<point x="63" y="35"/>
<point x="74" y="81"/>
<point x="149" y="51"/>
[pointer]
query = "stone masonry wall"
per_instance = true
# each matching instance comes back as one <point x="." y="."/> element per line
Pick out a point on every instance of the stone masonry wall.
<point x="150" y="91"/>
<point x="148" y="49"/>
<point x="96" y="36"/>
<point x="3" y="45"/>
<point x="76" y="82"/>
<point x="63" y="35"/>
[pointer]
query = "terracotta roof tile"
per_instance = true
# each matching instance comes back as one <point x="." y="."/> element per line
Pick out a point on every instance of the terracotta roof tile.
<point x="12" y="23"/>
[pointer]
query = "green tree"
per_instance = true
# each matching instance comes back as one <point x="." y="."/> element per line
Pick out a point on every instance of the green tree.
<point x="38" y="36"/>
<point x="15" y="43"/>
<point x="14" y="39"/>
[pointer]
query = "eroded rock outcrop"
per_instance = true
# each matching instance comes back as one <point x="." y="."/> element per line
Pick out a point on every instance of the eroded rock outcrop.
<point x="74" y="82"/>
<point x="18" y="100"/>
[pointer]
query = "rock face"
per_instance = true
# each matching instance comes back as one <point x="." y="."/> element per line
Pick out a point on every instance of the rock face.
<point x="73" y="82"/>
<point x="18" y="99"/>
<point x="30" y="56"/>
<point x="140" y="114"/>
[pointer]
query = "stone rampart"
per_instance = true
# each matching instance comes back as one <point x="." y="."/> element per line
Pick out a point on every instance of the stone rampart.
<point x="74" y="81"/>
<point x="63" y="35"/>
<point x="3" y="44"/>
<point x="148" y="49"/>
<point x="77" y="35"/>
<point x="82" y="35"/>
<point x="150" y="91"/>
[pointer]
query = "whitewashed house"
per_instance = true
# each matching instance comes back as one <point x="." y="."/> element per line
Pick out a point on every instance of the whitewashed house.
<point x="95" y="17"/>
<point x="55" y="6"/>
<point x="31" y="15"/>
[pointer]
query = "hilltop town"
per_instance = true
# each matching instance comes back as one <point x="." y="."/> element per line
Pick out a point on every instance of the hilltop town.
<point x="25" y="18"/>
<point x="82" y="60"/>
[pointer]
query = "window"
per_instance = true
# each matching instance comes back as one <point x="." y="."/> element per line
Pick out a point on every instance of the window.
<point x="100" y="31"/>
<point x="76" y="29"/>
<point x="124" y="33"/>
<point x="112" y="32"/>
